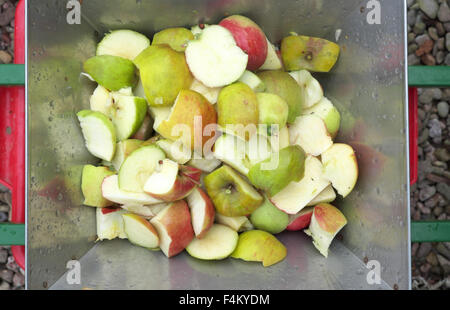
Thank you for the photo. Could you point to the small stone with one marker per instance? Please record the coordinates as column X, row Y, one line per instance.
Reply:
column 3, row 256
column 7, row 15
column 445, row 263
column 19, row 279
column 444, row 13
column 412, row 48
column 424, row 249
column 432, row 31
column 447, row 59
column 419, row 28
column 425, row 268
column 429, row 7
column 447, row 41
column 6, row 197
column 444, row 190
column 411, row 37
column 442, row 249
column 443, row 109
column 414, row 248
column 436, row 93
column 12, row 265
column 435, row 128
column 438, row 211
column 413, row 60
column 410, row 2
column 428, row 60
column 6, row 275
column 440, row 57
column 447, row 27
column 442, row 154
column 4, row 286
column 433, row 201
column 3, row 217
column 426, row 193
column 440, row 29
column 411, row 18
column 5, row 57
column 432, row 259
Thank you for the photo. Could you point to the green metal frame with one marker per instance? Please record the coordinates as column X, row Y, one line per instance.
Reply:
column 419, row 76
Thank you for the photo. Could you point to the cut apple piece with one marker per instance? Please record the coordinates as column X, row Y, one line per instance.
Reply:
column 123, row 43
column 123, row 150
column 159, row 115
column 326, row 222
column 259, row 246
column 258, row 149
column 198, row 29
column 112, row 192
column 252, row 81
column 210, row 93
column 297, row 195
column 310, row 132
column 237, row 223
column 341, row 168
column 325, row 196
column 128, row 115
column 312, row 92
column 171, row 182
column 218, row 243
column 328, row 113
column 232, row 151
column 230, row 193
column 91, row 186
column 300, row 220
column 214, row 57
column 99, row 134
column 177, row 38
column 174, row 228
column 273, row 61
column 204, row 164
column 147, row 212
column 175, row 151
column 110, row 224
column 101, row 101
column 202, row 212
column 146, row 130
column 138, row 167
column 140, row 232
column 269, row 218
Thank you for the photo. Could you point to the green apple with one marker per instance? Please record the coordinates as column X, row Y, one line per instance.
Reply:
column 311, row 133
column 230, row 193
column 123, row 43
column 269, row 218
column 101, row 101
column 128, row 115
column 140, row 232
column 232, row 150
column 273, row 110
column 99, row 134
column 176, row 38
column 138, row 167
column 218, row 243
column 312, row 91
column 259, row 246
column 326, row 222
column 109, row 224
column 164, row 73
column 111, row 72
column 123, row 150
column 275, row 173
column 252, row 81
column 328, row 113
column 282, row 84
column 91, row 186
column 237, row 110
column 313, row 54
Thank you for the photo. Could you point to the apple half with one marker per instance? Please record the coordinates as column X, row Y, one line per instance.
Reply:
column 171, row 181
column 174, row 228
column 326, row 222
column 202, row 212
column 218, row 243
column 341, row 168
column 294, row 197
column 311, row 133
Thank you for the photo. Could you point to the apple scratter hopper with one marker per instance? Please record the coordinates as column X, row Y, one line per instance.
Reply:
column 366, row 86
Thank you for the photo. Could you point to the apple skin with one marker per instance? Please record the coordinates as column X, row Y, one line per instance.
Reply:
column 192, row 173
column 91, row 186
column 174, row 228
column 300, row 220
column 249, row 37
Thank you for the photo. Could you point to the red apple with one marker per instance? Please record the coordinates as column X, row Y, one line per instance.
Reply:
column 172, row 182
column 202, row 212
column 249, row 37
column 174, row 228
column 300, row 220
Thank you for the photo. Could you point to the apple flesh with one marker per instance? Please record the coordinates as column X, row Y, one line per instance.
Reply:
column 164, row 73
column 123, row 150
column 174, row 228
column 328, row 113
column 237, row 110
column 252, row 81
column 301, row 220
column 218, row 243
column 205, row 164
column 214, row 57
column 326, row 222
column 259, row 246
column 230, row 193
column 249, row 37
column 232, row 150
column 172, row 182
column 175, row 151
column 309, row 53
column 210, row 93
column 202, row 212
column 123, row 43
column 146, row 130
column 312, row 92
column 273, row 61
column 237, row 223
column 282, row 84
column 177, row 38
column 294, row 197
column 311, row 133
column 147, row 212
column 91, row 186
column 326, row 196
column 269, row 218
column 101, row 101
column 111, row 72
column 112, row 192
column 110, row 224
column 140, row 232
column 341, row 168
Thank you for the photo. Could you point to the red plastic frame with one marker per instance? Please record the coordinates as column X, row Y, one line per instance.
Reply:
column 12, row 134
column 413, row 135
